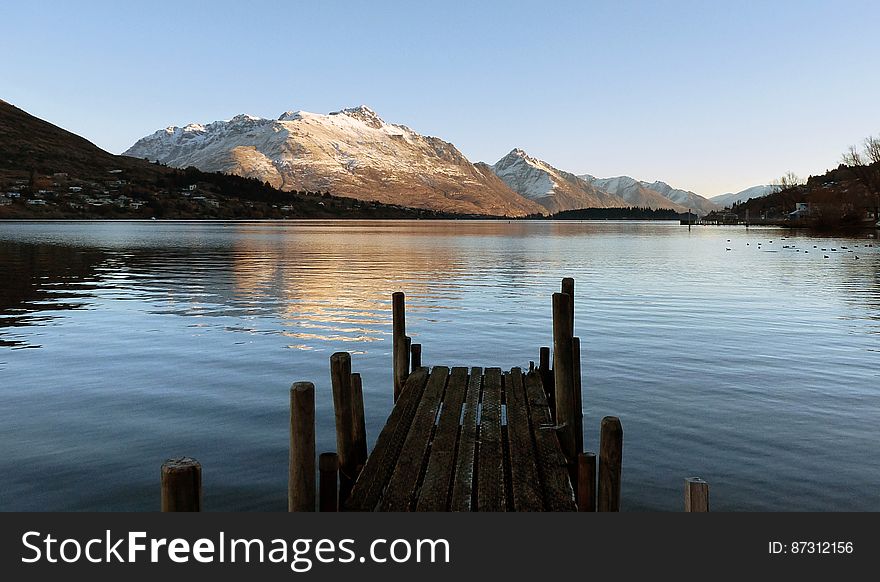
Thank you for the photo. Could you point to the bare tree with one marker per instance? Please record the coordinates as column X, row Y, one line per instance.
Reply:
column 865, row 163
column 787, row 181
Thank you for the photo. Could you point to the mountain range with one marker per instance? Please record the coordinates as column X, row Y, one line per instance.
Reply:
column 731, row 198
column 355, row 153
column 352, row 153
column 49, row 172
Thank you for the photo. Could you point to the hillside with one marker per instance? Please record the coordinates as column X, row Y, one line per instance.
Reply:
column 842, row 197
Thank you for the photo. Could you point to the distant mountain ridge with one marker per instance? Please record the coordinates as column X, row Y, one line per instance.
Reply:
column 554, row 189
column 731, row 198
column 352, row 152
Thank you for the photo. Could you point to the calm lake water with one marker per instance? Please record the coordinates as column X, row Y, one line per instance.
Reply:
column 124, row 343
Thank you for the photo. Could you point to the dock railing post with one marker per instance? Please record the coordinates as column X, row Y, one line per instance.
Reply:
column 586, row 492
column 610, row 460
column 400, row 355
column 340, row 379
column 301, row 469
column 181, row 485
column 563, row 380
column 328, row 467
column 696, row 495
column 358, row 423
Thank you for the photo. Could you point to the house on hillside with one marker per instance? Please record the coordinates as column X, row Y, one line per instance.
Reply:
column 801, row 210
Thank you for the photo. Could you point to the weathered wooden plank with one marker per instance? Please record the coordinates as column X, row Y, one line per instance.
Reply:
column 375, row 474
column 490, row 467
column 526, row 485
column 434, row 493
column 463, row 484
column 552, row 466
column 401, row 489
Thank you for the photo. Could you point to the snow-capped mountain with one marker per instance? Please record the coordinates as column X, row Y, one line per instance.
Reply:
column 634, row 192
column 725, row 200
column 550, row 187
column 686, row 198
column 352, row 152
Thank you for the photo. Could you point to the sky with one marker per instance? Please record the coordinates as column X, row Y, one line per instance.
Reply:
column 708, row 96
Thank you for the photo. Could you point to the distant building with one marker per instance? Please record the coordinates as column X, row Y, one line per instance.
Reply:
column 801, row 210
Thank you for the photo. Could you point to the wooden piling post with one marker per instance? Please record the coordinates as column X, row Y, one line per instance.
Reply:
column 610, row 460
column 301, row 469
column 578, row 395
column 181, row 485
column 544, row 358
column 547, row 379
column 340, row 379
column 563, row 380
column 416, row 359
column 586, row 492
column 400, row 355
column 328, row 466
column 358, row 423
column 568, row 289
column 696, row 495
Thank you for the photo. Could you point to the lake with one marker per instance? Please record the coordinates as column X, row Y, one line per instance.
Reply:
column 754, row 366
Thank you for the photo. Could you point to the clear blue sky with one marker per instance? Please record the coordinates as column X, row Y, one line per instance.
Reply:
column 708, row 96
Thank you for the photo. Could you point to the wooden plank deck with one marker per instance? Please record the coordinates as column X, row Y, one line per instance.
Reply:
column 466, row 440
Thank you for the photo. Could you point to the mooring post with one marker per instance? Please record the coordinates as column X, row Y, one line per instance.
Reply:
column 181, row 485
column 340, row 379
column 400, row 355
column 563, row 380
column 358, row 423
column 301, row 469
column 328, row 466
column 586, row 492
column 568, row 289
column 578, row 395
column 610, row 460
column 547, row 379
column 696, row 495
column 416, row 353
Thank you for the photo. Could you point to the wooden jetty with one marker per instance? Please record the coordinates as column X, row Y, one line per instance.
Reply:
column 467, row 440
column 457, row 438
